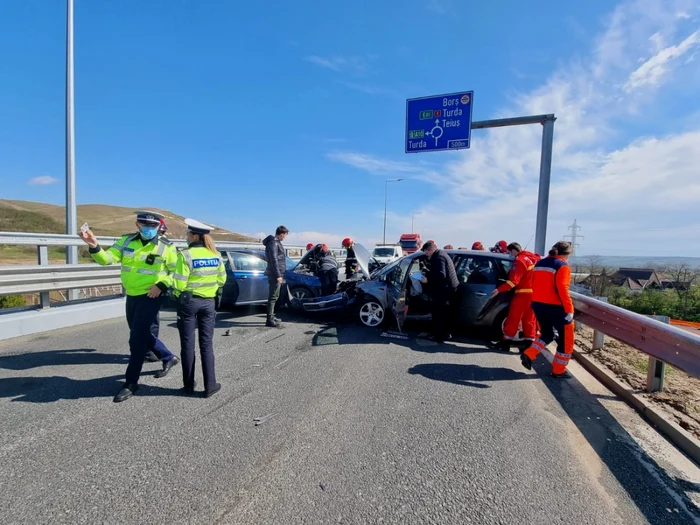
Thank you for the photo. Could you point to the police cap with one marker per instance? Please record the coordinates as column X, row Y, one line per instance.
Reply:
column 148, row 217
column 198, row 227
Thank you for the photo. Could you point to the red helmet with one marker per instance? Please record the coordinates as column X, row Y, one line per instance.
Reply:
column 500, row 247
column 324, row 248
column 347, row 242
column 477, row 246
column 448, row 247
column 309, row 246
column 162, row 228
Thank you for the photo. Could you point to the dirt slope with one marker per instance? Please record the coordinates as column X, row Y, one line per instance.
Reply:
column 104, row 219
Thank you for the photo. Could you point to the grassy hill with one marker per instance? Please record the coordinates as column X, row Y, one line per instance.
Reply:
column 110, row 221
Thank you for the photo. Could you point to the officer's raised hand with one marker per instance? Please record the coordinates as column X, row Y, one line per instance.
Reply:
column 88, row 237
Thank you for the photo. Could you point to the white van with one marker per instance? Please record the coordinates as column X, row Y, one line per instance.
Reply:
column 386, row 253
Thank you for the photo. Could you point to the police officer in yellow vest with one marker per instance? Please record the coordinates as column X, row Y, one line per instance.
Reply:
column 199, row 277
column 147, row 262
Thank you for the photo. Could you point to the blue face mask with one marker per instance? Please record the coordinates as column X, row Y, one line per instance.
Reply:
column 148, row 232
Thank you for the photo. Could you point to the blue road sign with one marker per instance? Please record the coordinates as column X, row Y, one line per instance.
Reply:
column 441, row 122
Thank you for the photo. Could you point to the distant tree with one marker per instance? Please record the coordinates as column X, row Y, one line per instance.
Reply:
column 683, row 279
column 599, row 279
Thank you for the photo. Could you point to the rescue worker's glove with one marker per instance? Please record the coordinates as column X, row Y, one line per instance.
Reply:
column 568, row 318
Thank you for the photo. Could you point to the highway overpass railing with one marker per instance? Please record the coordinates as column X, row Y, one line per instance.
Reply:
column 663, row 343
column 44, row 277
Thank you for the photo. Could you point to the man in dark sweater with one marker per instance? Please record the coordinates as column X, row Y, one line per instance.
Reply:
column 327, row 271
column 442, row 285
column 276, row 266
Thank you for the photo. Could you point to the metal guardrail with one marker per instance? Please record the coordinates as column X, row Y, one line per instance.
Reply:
column 674, row 346
column 45, row 277
column 37, row 279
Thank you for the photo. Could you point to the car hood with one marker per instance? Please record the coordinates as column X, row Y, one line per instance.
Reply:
column 363, row 257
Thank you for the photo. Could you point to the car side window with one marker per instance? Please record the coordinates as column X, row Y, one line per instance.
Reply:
column 475, row 269
column 397, row 277
column 242, row 262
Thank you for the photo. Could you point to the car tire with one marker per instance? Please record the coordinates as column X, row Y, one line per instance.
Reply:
column 498, row 328
column 371, row 313
column 301, row 292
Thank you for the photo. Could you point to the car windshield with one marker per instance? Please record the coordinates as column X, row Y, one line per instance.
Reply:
column 290, row 264
column 388, row 268
column 383, row 252
column 409, row 244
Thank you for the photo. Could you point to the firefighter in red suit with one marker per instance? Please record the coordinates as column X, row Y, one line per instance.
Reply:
column 520, row 279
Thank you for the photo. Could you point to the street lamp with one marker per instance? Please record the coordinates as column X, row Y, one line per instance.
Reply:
column 413, row 217
column 386, row 186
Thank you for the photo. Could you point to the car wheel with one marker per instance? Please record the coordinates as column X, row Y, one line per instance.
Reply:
column 372, row 313
column 500, row 324
column 301, row 292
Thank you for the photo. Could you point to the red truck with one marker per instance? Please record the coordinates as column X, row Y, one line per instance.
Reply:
column 410, row 243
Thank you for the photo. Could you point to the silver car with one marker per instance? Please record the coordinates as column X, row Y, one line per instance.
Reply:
column 395, row 291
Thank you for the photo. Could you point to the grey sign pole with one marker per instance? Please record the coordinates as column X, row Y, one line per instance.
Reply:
column 543, row 194
column 71, row 206
column 547, row 122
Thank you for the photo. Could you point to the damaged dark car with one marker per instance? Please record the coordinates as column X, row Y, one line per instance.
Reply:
column 395, row 293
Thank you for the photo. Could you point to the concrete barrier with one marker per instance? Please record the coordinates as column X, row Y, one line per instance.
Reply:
column 36, row 321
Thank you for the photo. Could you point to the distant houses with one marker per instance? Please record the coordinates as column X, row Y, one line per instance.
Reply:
column 635, row 280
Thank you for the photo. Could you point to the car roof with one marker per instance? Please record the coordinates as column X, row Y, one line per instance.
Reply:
column 480, row 253
column 259, row 253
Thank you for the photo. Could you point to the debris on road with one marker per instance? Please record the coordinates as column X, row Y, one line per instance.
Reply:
column 260, row 420
column 227, row 332
column 394, row 335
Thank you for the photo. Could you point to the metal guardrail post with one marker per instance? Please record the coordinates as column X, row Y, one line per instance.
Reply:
column 42, row 253
column 599, row 337
column 656, row 370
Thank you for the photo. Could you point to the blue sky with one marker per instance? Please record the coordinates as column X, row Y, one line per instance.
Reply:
column 248, row 116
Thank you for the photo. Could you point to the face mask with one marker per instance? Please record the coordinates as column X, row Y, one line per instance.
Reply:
column 148, row 232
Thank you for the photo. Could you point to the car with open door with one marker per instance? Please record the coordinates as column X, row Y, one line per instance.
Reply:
column 395, row 292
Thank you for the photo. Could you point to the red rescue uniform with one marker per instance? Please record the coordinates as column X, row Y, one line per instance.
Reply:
column 520, row 278
column 551, row 302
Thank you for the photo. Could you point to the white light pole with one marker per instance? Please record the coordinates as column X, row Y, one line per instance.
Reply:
column 386, row 186
column 413, row 217
column 71, row 206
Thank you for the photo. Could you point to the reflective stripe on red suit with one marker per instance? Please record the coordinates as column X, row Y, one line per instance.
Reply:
column 520, row 311
column 551, row 302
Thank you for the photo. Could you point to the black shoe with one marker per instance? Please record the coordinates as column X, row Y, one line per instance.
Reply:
column 565, row 375
column 151, row 357
column 166, row 367
column 503, row 345
column 526, row 361
column 272, row 323
column 213, row 390
column 126, row 392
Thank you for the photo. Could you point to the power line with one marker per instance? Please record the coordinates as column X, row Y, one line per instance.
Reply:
column 574, row 235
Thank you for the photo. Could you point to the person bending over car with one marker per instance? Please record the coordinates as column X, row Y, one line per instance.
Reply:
column 327, row 271
column 442, row 286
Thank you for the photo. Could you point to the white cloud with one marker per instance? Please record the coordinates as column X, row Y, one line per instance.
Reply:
column 604, row 172
column 338, row 63
column 652, row 72
column 43, row 181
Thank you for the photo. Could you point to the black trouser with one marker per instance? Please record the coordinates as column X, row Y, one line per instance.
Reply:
column 273, row 296
column 198, row 314
column 329, row 281
column 142, row 318
column 440, row 312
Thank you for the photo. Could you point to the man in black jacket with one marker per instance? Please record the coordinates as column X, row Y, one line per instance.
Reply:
column 276, row 266
column 442, row 286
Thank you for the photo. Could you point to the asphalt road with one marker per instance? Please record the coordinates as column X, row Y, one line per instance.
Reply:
column 356, row 429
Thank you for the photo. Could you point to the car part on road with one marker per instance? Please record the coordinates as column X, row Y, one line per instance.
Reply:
column 260, row 420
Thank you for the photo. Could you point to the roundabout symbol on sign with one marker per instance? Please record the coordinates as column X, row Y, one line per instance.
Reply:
column 436, row 132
